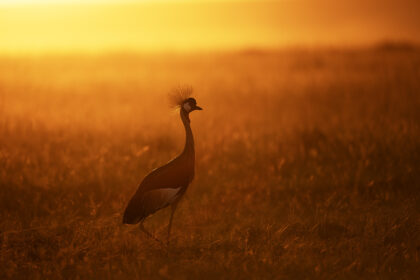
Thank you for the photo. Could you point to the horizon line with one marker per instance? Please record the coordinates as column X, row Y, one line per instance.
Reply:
column 392, row 45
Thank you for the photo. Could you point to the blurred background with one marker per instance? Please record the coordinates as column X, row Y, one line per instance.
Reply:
column 307, row 150
column 33, row 26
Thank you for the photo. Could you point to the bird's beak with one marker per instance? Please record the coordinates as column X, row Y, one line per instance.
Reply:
column 198, row 108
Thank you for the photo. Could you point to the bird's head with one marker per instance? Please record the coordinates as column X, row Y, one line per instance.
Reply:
column 180, row 97
column 189, row 105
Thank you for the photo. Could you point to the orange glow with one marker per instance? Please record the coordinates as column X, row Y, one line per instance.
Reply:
column 306, row 158
column 74, row 25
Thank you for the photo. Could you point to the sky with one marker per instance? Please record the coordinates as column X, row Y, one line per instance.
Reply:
column 28, row 26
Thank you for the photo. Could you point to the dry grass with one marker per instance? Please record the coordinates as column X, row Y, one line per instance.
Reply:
column 308, row 165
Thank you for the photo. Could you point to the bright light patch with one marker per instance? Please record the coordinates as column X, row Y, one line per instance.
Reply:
column 20, row 2
column 42, row 2
column 39, row 26
column 31, row 2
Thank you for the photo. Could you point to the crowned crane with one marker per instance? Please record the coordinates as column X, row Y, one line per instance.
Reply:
column 166, row 185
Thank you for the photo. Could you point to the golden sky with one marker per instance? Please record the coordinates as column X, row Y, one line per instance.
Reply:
column 147, row 25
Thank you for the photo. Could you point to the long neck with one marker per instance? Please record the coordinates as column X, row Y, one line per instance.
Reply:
column 189, row 140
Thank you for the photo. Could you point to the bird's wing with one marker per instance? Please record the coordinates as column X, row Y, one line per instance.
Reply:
column 174, row 174
column 159, row 189
column 157, row 199
column 144, row 204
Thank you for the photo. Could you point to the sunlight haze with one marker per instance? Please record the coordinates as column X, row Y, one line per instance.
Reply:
column 29, row 26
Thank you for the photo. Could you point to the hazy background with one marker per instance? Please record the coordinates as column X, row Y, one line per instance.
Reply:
column 67, row 26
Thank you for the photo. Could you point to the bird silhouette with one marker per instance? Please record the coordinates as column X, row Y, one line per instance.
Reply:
column 167, row 184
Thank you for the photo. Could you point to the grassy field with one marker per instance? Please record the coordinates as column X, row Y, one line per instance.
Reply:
column 307, row 165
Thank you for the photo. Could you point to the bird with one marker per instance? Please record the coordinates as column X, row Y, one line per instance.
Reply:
column 166, row 185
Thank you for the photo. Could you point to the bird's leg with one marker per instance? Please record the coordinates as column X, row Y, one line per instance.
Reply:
column 148, row 233
column 173, row 208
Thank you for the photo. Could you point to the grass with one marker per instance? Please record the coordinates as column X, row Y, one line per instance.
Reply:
column 307, row 165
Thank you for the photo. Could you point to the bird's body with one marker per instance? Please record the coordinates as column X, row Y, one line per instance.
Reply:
column 161, row 187
column 165, row 185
